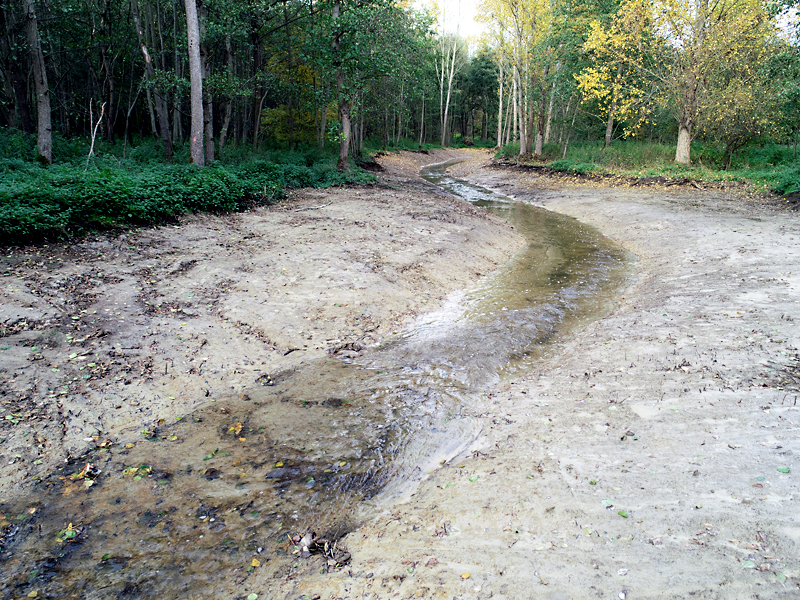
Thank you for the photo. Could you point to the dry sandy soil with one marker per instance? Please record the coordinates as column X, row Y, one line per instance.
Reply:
column 651, row 455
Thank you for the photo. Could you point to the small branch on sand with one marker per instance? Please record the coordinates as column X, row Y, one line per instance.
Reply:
column 313, row 207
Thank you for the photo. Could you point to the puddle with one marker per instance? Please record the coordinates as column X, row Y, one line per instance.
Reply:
column 184, row 512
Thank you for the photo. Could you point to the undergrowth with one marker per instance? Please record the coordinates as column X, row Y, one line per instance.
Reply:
column 773, row 166
column 39, row 203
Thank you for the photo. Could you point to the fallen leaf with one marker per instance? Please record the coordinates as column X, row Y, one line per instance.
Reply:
column 465, row 576
column 255, row 563
column 622, row 513
column 783, row 469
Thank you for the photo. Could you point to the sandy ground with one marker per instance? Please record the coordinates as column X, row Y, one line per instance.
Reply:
column 654, row 455
column 104, row 338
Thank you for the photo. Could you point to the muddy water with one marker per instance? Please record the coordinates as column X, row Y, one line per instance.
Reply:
column 185, row 511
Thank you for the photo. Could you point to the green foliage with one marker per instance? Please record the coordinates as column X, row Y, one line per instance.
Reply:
column 570, row 166
column 771, row 165
column 39, row 202
column 787, row 181
column 509, row 150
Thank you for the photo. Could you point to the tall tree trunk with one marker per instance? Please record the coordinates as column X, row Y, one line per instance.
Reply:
column 177, row 129
column 44, row 131
column 361, row 133
column 399, row 117
column 385, row 126
column 111, row 105
column 344, row 103
column 226, row 123
column 565, row 145
column 500, row 110
column 421, row 122
column 683, row 150
column 323, row 123
column 208, row 100
column 523, row 133
column 450, row 75
column 515, row 132
column 153, row 125
column 540, row 123
column 550, row 107
column 161, row 110
column 612, row 110
column 196, row 79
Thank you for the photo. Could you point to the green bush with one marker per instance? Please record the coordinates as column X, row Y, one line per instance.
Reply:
column 39, row 202
column 787, row 181
column 570, row 166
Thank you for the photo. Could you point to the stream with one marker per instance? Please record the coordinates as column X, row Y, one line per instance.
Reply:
column 200, row 504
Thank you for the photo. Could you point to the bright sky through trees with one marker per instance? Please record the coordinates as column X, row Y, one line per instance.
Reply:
column 460, row 14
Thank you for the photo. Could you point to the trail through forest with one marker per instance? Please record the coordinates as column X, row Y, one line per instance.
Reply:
column 651, row 454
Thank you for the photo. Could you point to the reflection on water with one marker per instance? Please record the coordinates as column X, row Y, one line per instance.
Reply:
column 184, row 512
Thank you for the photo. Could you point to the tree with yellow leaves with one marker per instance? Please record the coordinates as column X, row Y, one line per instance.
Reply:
column 620, row 92
column 690, row 50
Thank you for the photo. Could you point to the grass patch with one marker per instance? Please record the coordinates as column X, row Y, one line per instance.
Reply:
column 771, row 166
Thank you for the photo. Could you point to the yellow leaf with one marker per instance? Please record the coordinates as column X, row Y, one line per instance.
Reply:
column 465, row 576
column 279, row 464
column 255, row 563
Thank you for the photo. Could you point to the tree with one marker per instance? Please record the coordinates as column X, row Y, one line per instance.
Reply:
column 450, row 60
column 618, row 90
column 44, row 130
column 150, row 75
column 197, row 129
column 688, row 49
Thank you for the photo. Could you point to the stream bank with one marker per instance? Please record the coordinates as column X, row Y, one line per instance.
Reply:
column 654, row 455
column 146, row 420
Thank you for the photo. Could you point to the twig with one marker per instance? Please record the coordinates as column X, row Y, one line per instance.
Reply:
column 313, row 207
column 94, row 131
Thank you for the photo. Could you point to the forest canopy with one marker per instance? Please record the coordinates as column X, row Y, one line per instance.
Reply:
column 114, row 85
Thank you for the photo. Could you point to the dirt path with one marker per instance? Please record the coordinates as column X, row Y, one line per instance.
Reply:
column 654, row 455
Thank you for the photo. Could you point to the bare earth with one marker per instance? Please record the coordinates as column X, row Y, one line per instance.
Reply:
column 103, row 338
column 653, row 455
column 642, row 460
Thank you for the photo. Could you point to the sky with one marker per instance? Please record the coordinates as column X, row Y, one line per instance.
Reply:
column 461, row 14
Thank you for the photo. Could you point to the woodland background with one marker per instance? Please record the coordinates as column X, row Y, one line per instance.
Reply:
column 131, row 111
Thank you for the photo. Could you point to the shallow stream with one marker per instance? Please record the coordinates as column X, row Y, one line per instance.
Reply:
column 185, row 512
